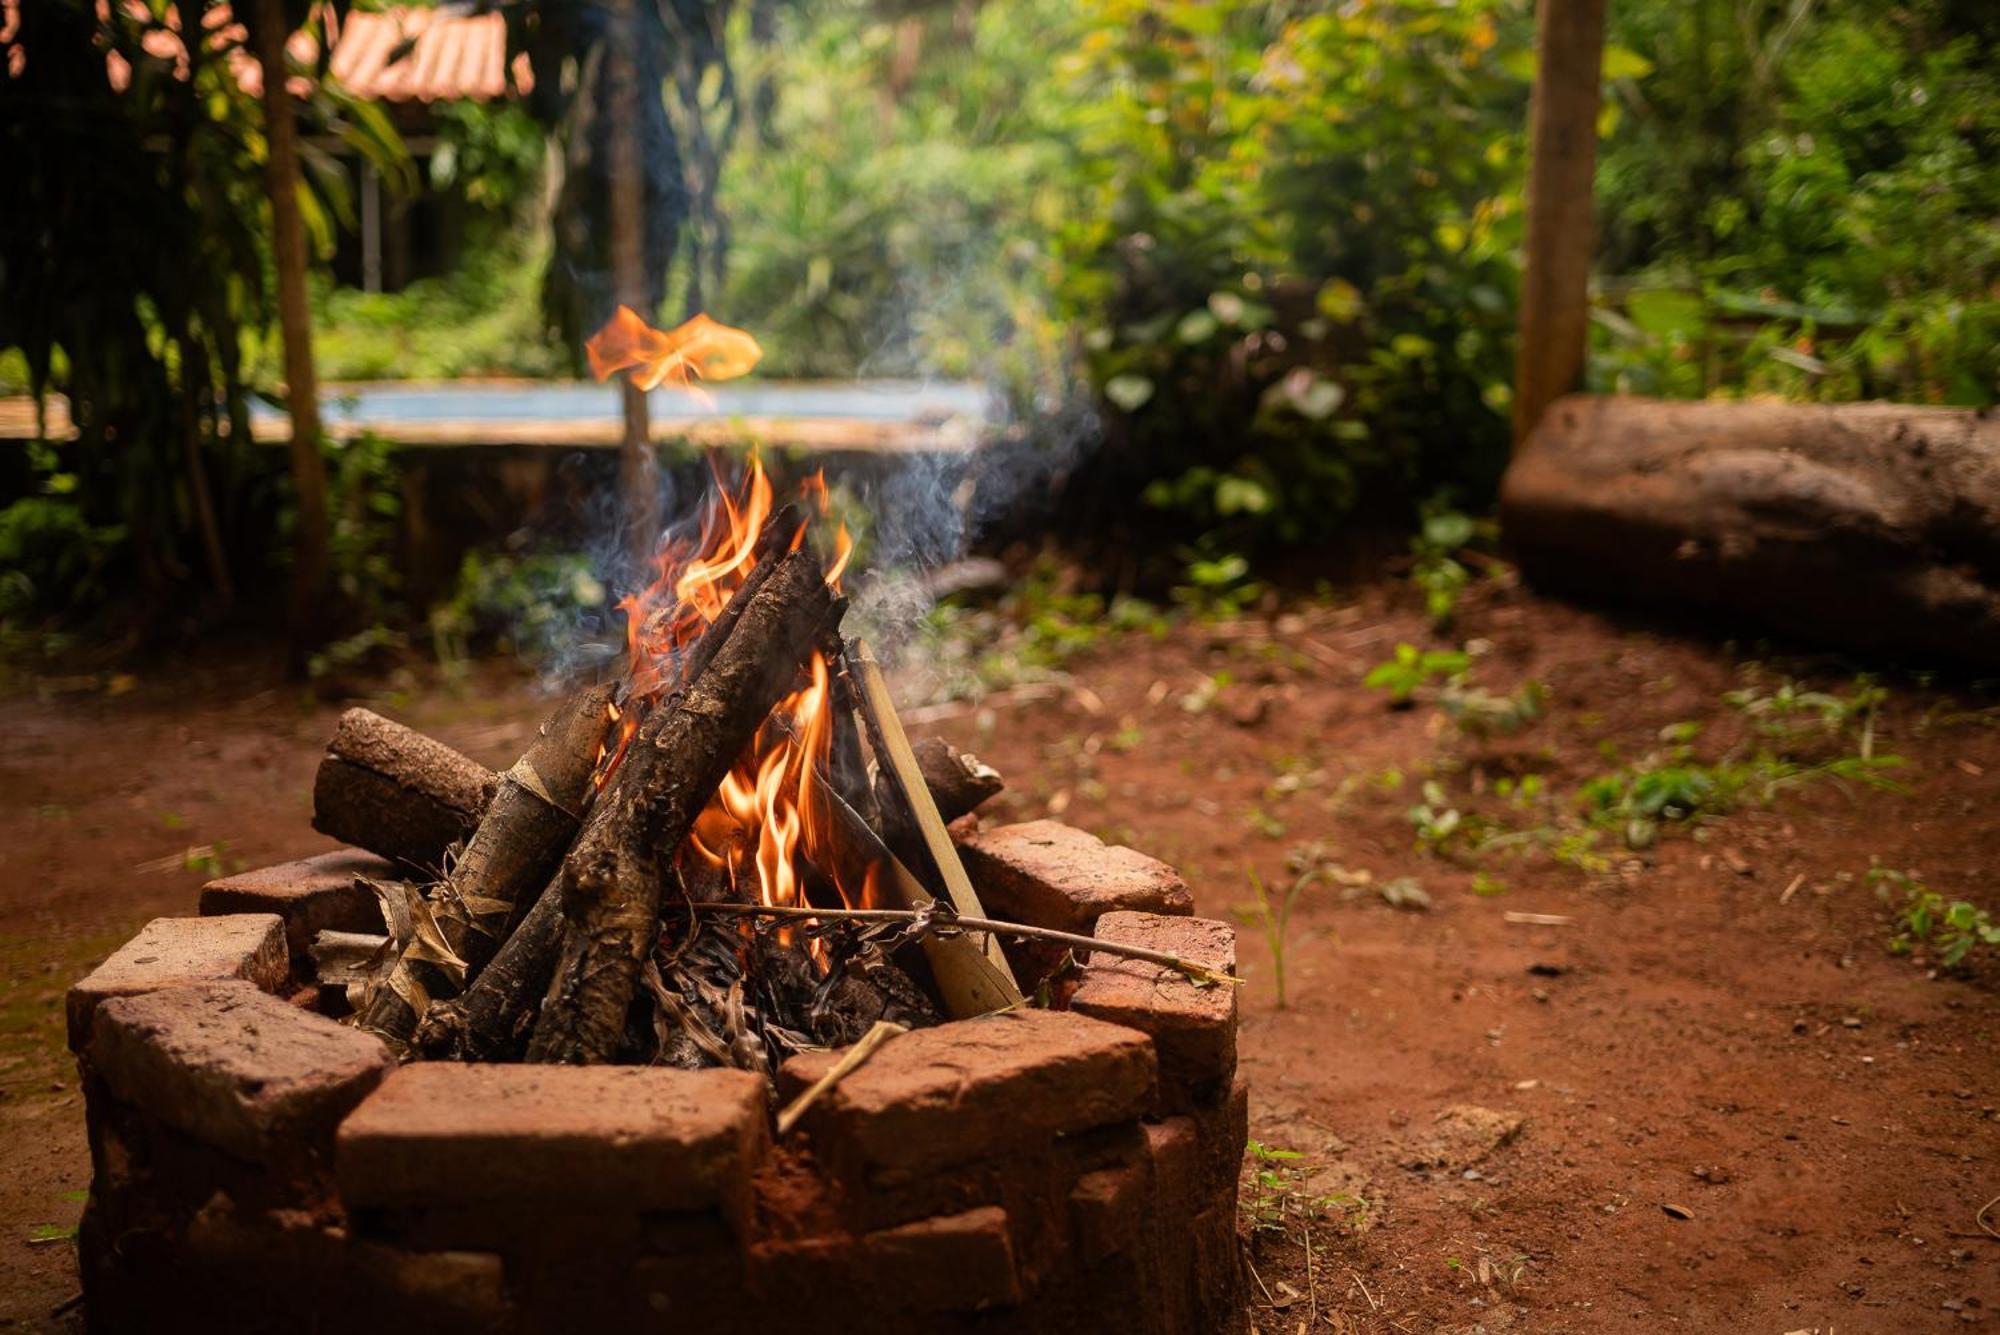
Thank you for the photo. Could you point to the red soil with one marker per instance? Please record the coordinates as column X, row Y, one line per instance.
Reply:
column 1716, row 1028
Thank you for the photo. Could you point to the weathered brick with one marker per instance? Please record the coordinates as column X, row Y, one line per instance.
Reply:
column 235, row 1067
column 312, row 895
column 1193, row 1027
column 1222, row 1130
column 172, row 951
column 959, row 1263
column 976, row 1088
column 610, row 1137
column 1107, row 1208
column 1052, row 875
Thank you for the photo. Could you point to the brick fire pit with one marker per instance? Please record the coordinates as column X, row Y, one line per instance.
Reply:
column 260, row 1166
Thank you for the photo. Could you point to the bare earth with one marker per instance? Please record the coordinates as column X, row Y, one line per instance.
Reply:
column 1709, row 1099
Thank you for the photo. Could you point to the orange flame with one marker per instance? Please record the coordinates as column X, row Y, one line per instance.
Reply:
column 701, row 349
column 768, row 818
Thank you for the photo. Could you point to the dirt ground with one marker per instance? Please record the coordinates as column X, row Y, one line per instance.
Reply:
column 1695, row 1091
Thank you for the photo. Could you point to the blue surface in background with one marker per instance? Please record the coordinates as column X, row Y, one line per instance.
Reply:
column 473, row 401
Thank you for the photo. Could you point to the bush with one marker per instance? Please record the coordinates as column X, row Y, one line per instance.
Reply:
column 1294, row 264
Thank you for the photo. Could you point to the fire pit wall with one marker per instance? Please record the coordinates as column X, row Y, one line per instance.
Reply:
column 260, row 1167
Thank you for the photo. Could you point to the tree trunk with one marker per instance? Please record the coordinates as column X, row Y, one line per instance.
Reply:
column 517, row 848
column 311, row 568
column 612, row 879
column 1868, row 526
column 1562, row 164
column 395, row 792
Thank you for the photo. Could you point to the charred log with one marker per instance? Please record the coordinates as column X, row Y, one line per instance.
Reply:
column 397, row 793
column 611, row 881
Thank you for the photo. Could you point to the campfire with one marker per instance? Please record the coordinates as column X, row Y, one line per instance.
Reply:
column 724, row 976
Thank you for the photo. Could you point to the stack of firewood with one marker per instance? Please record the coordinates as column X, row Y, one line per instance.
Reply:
column 548, row 917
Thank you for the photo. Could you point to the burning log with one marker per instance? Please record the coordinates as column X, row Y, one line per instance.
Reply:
column 612, row 878
column 518, row 846
column 487, row 1021
column 396, row 792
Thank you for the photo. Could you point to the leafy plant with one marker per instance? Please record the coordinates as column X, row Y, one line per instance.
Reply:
column 1403, row 675
column 1441, row 538
column 1478, row 714
column 1273, row 916
column 1955, row 928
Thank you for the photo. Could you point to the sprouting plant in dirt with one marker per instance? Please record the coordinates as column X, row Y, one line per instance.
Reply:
column 1277, row 1198
column 1954, row 928
column 1271, row 912
column 1435, row 552
column 1403, row 675
column 1793, row 718
column 1218, row 585
column 1477, row 713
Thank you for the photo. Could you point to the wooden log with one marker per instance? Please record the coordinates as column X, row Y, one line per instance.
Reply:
column 518, row 846
column 489, row 1020
column 397, row 793
column 612, row 878
column 1867, row 526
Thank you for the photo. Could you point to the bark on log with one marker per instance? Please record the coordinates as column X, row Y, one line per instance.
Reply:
column 489, row 1020
column 612, row 878
column 518, row 846
column 397, row 793
column 1868, row 526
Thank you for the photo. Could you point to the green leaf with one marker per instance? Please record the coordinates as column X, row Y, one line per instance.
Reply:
column 1620, row 63
column 1129, row 392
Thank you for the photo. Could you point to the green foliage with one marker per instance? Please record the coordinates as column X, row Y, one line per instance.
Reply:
column 51, row 554
column 1804, row 195
column 1403, row 675
column 1293, row 258
column 887, row 217
column 1272, row 914
column 526, row 604
column 1953, row 928
column 1477, row 713
column 1434, row 552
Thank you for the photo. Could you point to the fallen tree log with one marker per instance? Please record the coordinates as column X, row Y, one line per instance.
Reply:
column 488, row 1021
column 612, row 878
column 518, row 846
column 1867, row 526
column 397, row 793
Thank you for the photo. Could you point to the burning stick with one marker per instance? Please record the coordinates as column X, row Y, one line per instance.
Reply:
column 612, row 879
column 518, row 846
column 892, row 749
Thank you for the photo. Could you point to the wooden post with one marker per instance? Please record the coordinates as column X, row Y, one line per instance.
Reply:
column 628, row 279
column 1562, row 161
column 312, row 569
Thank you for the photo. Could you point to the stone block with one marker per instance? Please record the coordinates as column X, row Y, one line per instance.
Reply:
column 312, row 895
column 974, row 1089
column 172, row 951
column 958, row 1263
column 235, row 1068
column 1052, row 875
column 612, row 1138
column 1193, row 1026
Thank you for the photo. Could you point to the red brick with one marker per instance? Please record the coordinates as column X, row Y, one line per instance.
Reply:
column 312, row 895
column 1108, row 1208
column 960, row 1263
column 977, row 1088
column 1173, row 1148
column 616, row 1138
column 1222, row 1131
column 235, row 1068
column 1052, row 875
column 1193, row 1026
column 169, row 952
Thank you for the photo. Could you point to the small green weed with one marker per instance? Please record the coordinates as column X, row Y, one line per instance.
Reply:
column 1954, row 928
column 1477, row 713
column 1403, row 675
column 1273, row 916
